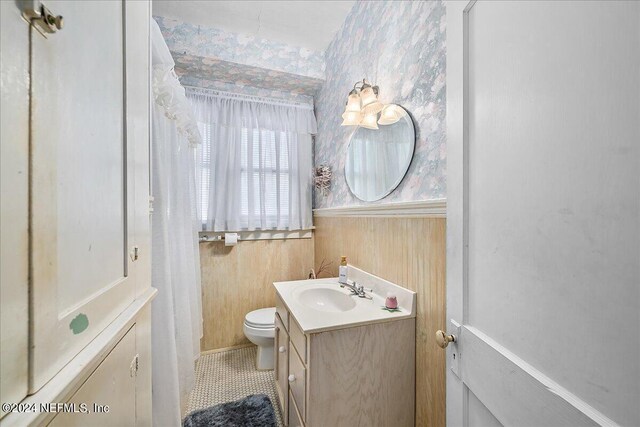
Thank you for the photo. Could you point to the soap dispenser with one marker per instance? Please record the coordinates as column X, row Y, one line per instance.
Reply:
column 342, row 270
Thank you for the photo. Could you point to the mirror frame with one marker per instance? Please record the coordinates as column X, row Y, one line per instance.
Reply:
column 402, row 177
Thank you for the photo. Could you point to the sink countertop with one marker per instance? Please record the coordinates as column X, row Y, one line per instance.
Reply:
column 364, row 311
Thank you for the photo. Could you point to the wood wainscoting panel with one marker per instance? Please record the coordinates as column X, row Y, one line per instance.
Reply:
column 411, row 253
column 239, row 279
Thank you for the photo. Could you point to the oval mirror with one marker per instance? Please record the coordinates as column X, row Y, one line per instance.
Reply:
column 378, row 159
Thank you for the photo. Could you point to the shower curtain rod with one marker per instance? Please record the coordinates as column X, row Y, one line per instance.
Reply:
column 262, row 99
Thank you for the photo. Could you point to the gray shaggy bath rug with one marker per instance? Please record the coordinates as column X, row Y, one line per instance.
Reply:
column 252, row 411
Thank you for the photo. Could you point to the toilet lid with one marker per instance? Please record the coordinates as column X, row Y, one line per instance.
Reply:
column 263, row 318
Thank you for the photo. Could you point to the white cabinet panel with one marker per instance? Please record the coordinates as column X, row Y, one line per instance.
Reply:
column 89, row 170
column 82, row 183
column 14, row 217
column 138, row 65
column 108, row 392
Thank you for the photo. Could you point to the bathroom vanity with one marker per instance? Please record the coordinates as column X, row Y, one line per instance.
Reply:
column 342, row 360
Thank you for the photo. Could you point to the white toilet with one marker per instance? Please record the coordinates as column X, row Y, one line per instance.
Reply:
column 259, row 327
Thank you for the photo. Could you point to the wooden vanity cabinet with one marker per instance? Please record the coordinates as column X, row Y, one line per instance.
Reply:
column 295, row 420
column 360, row 375
column 281, row 358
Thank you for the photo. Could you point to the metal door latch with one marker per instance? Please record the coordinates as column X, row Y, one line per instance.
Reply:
column 134, row 366
column 41, row 17
column 134, row 253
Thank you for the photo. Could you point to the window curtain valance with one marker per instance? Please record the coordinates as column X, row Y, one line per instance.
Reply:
column 239, row 111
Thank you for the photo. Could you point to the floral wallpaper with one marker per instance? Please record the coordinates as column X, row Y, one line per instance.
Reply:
column 399, row 46
column 244, row 75
column 188, row 80
column 241, row 59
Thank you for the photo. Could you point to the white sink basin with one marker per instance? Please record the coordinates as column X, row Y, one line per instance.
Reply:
column 321, row 305
column 329, row 300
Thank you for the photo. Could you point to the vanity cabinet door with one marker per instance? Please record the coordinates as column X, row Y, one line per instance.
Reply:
column 297, row 380
column 294, row 416
column 282, row 367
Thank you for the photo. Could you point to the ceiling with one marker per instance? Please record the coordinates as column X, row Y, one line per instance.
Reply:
column 309, row 24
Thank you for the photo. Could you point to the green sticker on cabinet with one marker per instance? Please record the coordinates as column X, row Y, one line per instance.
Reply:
column 79, row 323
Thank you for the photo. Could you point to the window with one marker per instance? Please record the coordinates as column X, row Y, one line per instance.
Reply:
column 203, row 174
column 264, row 176
column 254, row 167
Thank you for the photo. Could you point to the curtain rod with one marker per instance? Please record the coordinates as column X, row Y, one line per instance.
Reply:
column 263, row 99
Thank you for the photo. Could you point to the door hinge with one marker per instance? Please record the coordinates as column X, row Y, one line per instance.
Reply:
column 45, row 21
column 133, row 368
column 151, row 199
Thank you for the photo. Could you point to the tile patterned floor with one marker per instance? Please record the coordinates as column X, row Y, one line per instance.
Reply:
column 228, row 376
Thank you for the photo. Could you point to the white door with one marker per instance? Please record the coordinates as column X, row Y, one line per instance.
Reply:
column 543, row 218
column 82, row 184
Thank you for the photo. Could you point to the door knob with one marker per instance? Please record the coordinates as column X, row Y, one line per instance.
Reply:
column 443, row 339
column 292, row 378
column 281, row 349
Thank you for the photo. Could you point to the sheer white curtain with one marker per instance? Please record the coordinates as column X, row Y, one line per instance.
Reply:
column 255, row 166
column 177, row 310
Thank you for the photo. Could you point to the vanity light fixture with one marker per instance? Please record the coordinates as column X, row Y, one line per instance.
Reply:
column 363, row 107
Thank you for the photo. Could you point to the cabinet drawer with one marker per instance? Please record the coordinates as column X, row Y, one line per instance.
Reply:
column 281, row 309
column 298, row 339
column 297, row 382
column 281, row 358
column 295, row 420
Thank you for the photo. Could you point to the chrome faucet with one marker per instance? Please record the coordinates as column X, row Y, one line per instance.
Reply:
column 357, row 290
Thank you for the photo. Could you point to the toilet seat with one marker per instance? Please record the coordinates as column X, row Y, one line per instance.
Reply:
column 263, row 318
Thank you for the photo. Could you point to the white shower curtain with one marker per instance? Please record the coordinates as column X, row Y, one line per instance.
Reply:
column 177, row 310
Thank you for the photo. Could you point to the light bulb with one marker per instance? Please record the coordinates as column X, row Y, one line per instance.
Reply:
column 373, row 108
column 391, row 114
column 370, row 121
column 367, row 96
column 351, row 118
column 353, row 102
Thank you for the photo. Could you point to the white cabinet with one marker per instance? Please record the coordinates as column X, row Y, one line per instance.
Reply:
column 104, row 394
column 14, row 204
column 82, row 184
column 77, row 194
